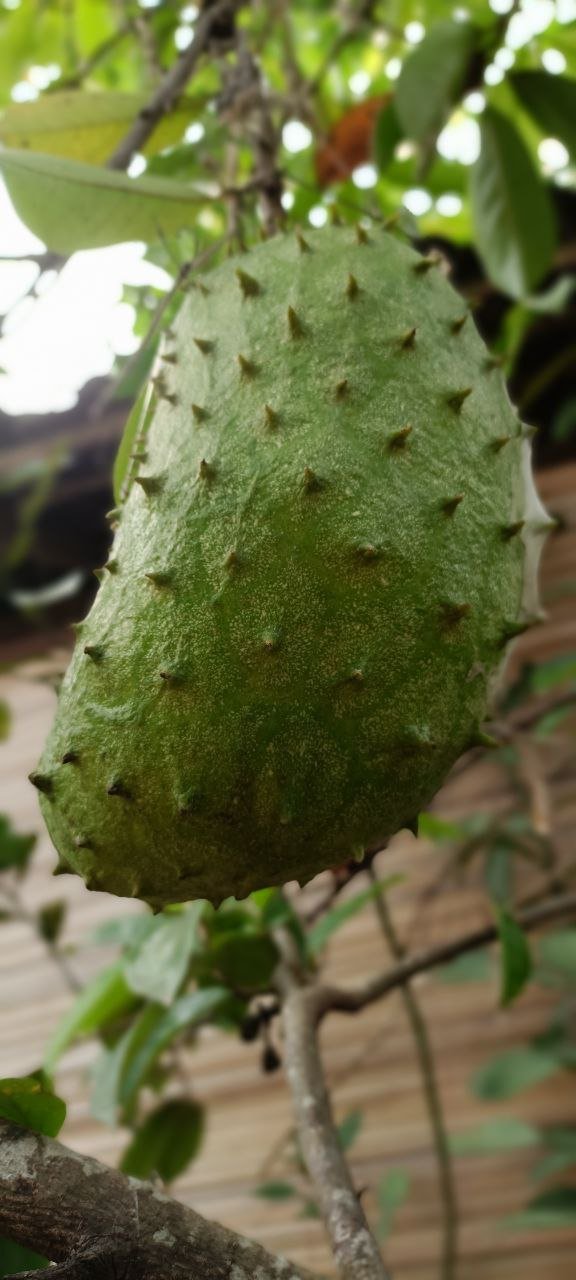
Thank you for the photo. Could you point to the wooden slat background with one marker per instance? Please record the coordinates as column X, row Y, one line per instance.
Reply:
column 369, row 1058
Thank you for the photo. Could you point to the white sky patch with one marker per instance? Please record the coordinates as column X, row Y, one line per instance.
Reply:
column 493, row 74
column 296, row 136
column 460, row 140
column 71, row 333
column 501, row 6
column 195, row 132
column 530, row 21
column 553, row 154
column 449, row 205
column 41, row 77
column 393, row 68
column 287, row 199
column 553, row 61
column 137, row 165
column 359, row 83
column 404, row 150
column 365, row 176
column 22, row 91
column 183, row 36
column 189, row 13
column 318, row 216
column 417, row 201
column 414, row 32
column 504, row 58
column 475, row 102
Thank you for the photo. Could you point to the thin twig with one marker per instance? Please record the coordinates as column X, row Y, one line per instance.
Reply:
column 355, row 1248
column 425, row 1055
column 353, row 999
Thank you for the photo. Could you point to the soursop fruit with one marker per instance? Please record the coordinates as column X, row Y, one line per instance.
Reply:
column 328, row 535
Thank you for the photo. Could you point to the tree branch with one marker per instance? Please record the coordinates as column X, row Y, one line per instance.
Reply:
column 208, row 28
column 99, row 1223
column 432, row 1095
column 355, row 1248
column 353, row 999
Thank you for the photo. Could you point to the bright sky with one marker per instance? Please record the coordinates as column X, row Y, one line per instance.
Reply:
column 54, row 344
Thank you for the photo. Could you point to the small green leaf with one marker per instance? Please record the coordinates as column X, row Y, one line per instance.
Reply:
column 432, row 77
column 431, row 827
column 387, row 135
column 110, row 1096
column 275, row 1191
column 320, row 932
column 15, row 850
column 73, row 206
column 15, row 1258
column 160, row 966
column 186, row 1014
column 25, row 1102
column 245, row 960
column 101, row 1001
column 511, row 208
column 137, row 424
column 551, row 101
column 391, row 1194
column 516, row 959
column 509, row 1072
column 349, row 1128
column 86, row 126
column 555, row 1208
column 474, row 967
column 51, row 918
column 557, row 956
column 167, row 1140
column 5, row 719
column 495, row 1137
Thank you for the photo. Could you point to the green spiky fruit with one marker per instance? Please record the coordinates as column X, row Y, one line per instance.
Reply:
column 327, row 536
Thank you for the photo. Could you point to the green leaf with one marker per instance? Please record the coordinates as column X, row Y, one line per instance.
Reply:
column 337, row 916
column 511, row 209
column 127, row 932
column 14, row 850
column 167, row 1140
column 186, row 1014
column 86, row 126
column 387, row 135
column 24, row 1101
column 73, row 206
column 138, row 422
column 495, row 1137
column 509, row 1072
column 51, row 918
column 431, row 827
column 245, row 960
column 475, row 967
column 15, row 1258
column 561, row 1144
column 110, row 1096
column 160, row 966
column 555, row 1208
column 557, row 954
column 349, row 1128
column 551, row 101
column 432, row 78
column 391, row 1194
column 275, row 1191
column 102, row 1000
column 4, row 720
column 515, row 957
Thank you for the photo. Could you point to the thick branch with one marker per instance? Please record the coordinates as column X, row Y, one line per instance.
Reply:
column 71, row 1208
column 354, row 1247
column 207, row 28
column 353, row 999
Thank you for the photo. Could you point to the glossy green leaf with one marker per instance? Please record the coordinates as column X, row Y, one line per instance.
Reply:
column 432, row 78
column 186, row 1014
column 73, row 206
column 333, row 919
column 137, row 424
column 24, row 1101
column 15, row 850
column 275, row 1190
column 510, row 1072
column 102, row 1000
column 511, row 209
column 15, row 1258
column 160, row 966
column 85, row 125
column 166, row 1141
column 495, row 1137
column 551, row 101
column 515, row 958
column 391, row 1194
column 387, row 135
column 554, row 1208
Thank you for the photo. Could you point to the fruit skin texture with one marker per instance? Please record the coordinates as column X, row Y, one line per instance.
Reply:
column 328, row 535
